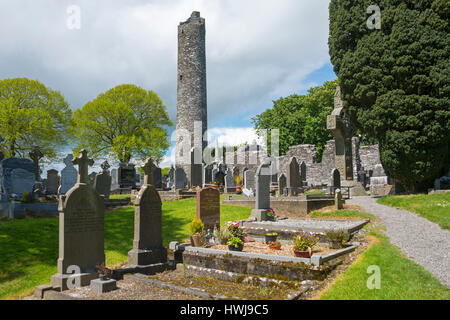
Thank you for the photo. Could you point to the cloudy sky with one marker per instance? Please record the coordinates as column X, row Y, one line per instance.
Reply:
column 257, row 51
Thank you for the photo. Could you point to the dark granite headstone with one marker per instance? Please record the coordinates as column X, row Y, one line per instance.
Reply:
column 127, row 176
column 180, row 179
column 336, row 179
column 282, row 184
column 102, row 182
column 52, row 181
column 208, row 207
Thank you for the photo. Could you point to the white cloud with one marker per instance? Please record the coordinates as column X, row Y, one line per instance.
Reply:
column 257, row 50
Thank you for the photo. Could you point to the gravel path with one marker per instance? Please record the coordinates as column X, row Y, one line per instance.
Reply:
column 421, row 240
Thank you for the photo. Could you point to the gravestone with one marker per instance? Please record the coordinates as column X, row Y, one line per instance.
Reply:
column 68, row 175
column 303, row 174
column 262, row 201
column 208, row 208
column 196, row 168
column 102, row 182
column 282, row 184
column 36, row 155
column 180, row 179
column 16, row 175
column 249, row 179
column 293, row 177
column 230, row 184
column 147, row 244
column 52, row 182
column 338, row 202
column 21, row 181
column 335, row 179
column 171, row 174
column 208, row 174
column 126, row 175
column 157, row 178
column 378, row 171
column 81, row 231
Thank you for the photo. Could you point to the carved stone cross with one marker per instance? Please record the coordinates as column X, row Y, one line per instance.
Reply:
column 83, row 163
column 148, row 168
column 36, row 155
column 105, row 166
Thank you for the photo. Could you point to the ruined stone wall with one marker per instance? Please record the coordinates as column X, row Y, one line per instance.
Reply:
column 370, row 156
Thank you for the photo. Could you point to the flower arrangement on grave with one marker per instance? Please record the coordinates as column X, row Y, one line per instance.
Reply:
column 222, row 234
column 304, row 243
column 271, row 237
column 103, row 272
column 26, row 197
column 235, row 244
column 275, row 245
column 196, row 227
column 271, row 214
column 235, row 230
column 337, row 238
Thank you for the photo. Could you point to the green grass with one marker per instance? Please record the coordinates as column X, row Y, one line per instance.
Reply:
column 434, row 207
column 29, row 247
column 119, row 196
column 401, row 279
column 342, row 214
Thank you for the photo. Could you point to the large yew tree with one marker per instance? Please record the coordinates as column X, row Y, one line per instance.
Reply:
column 123, row 123
column 395, row 82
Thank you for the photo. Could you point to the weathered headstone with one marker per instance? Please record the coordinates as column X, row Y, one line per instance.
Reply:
column 102, row 182
column 303, row 174
column 335, row 179
column 22, row 180
column 378, row 171
column 208, row 174
column 36, row 155
column 127, row 176
column 157, row 178
column 147, row 245
column 293, row 177
column 180, row 179
column 68, row 175
column 92, row 176
column 262, row 201
column 282, row 184
column 249, row 179
column 196, row 168
column 52, row 181
column 338, row 202
column 171, row 175
column 208, row 207
column 81, row 231
column 17, row 175
column 230, row 184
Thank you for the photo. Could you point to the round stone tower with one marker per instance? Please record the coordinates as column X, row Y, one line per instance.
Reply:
column 191, row 102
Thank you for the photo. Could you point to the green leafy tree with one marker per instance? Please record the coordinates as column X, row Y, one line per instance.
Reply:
column 32, row 114
column 395, row 82
column 125, row 122
column 301, row 119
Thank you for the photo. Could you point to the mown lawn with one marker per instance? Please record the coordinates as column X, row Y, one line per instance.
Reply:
column 29, row 247
column 342, row 214
column 401, row 279
column 434, row 207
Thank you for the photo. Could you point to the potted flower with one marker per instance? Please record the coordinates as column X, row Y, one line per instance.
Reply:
column 235, row 230
column 271, row 237
column 196, row 227
column 235, row 244
column 271, row 215
column 337, row 238
column 103, row 272
column 275, row 245
column 304, row 243
column 223, row 235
